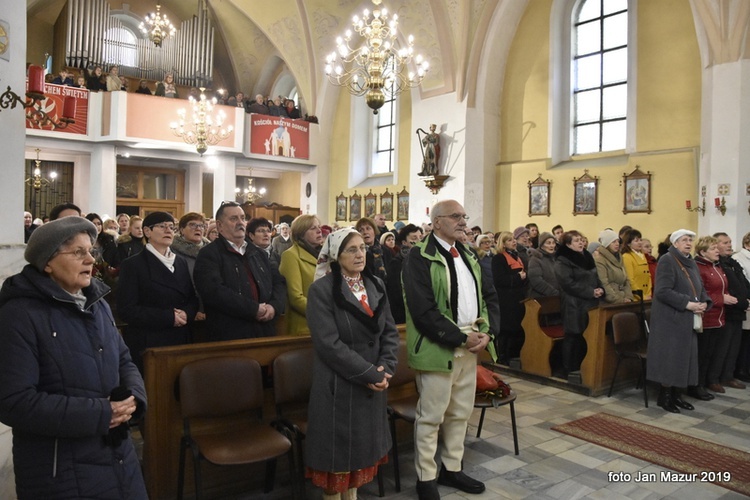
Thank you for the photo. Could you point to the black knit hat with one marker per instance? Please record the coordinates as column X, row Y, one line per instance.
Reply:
column 157, row 218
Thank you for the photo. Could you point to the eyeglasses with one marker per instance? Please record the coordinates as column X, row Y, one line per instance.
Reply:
column 456, row 217
column 195, row 225
column 78, row 253
column 355, row 250
column 164, row 226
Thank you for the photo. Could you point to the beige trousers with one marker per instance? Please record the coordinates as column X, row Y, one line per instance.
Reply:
column 446, row 401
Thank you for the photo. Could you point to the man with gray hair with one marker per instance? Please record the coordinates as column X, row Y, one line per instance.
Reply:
column 448, row 311
column 258, row 106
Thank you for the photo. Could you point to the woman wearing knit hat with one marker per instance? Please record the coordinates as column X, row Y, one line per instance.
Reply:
column 611, row 270
column 67, row 384
column 676, row 312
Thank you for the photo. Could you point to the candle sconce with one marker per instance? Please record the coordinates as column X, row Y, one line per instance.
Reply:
column 721, row 205
column 33, row 104
column 701, row 208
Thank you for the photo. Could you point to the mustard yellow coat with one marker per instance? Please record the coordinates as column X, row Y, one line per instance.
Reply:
column 298, row 267
column 639, row 275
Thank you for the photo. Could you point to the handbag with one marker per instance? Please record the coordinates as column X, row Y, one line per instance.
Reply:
column 697, row 318
column 698, row 322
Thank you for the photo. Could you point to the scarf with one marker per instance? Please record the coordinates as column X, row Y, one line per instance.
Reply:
column 167, row 260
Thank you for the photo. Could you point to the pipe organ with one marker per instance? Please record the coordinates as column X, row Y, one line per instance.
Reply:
column 94, row 37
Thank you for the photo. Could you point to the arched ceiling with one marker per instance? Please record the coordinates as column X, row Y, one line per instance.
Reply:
column 252, row 34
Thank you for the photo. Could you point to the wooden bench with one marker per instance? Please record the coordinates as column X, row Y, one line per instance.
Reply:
column 542, row 326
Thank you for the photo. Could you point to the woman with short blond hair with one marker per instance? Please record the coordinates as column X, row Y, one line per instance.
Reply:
column 298, row 267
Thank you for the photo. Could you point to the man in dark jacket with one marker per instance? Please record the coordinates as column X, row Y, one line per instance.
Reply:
column 735, row 314
column 241, row 291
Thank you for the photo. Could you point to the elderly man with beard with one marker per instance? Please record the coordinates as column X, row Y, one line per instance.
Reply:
column 242, row 292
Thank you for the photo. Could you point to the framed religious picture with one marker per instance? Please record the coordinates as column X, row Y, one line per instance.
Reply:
column 386, row 205
column 539, row 196
column 355, row 207
column 371, row 201
column 585, row 194
column 637, row 192
column 403, row 205
column 341, row 207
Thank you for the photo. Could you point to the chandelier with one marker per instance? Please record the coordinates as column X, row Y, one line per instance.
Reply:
column 157, row 27
column 250, row 193
column 377, row 67
column 36, row 180
column 204, row 130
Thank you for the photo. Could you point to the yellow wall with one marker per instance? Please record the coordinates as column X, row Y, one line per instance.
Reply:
column 339, row 158
column 667, row 135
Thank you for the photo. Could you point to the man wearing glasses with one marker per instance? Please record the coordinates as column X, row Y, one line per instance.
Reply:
column 447, row 324
column 241, row 291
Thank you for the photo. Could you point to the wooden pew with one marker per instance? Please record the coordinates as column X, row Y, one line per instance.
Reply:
column 541, row 334
column 163, row 422
column 598, row 366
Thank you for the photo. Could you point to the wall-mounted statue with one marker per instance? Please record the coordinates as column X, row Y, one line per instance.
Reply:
column 430, row 151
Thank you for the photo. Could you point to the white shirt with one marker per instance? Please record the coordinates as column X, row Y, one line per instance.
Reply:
column 240, row 250
column 467, row 289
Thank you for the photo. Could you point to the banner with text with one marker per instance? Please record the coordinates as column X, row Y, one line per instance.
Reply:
column 54, row 105
column 278, row 136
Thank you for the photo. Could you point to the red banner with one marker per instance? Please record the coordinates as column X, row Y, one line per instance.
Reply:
column 277, row 136
column 56, row 97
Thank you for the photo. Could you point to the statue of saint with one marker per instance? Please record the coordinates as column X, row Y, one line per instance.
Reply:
column 430, row 152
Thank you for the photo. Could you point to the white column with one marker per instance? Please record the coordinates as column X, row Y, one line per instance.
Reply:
column 194, row 188
column 725, row 150
column 225, row 178
column 102, row 181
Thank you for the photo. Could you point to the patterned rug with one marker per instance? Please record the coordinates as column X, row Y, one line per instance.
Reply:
column 695, row 460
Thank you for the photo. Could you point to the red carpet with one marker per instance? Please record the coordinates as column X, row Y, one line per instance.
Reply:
column 709, row 462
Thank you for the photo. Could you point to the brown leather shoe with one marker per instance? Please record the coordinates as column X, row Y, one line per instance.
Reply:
column 735, row 384
column 716, row 388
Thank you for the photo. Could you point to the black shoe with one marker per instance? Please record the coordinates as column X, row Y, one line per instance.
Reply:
column 665, row 400
column 679, row 402
column 427, row 490
column 460, row 481
column 699, row 392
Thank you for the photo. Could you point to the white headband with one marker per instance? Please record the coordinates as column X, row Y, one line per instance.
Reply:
column 330, row 250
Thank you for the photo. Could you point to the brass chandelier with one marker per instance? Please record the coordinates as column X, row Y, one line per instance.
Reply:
column 378, row 67
column 204, row 130
column 157, row 27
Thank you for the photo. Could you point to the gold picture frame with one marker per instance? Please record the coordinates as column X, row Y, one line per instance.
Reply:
column 386, row 205
column 355, row 207
column 586, row 194
column 371, row 202
column 636, row 192
column 539, row 191
column 341, row 207
column 403, row 205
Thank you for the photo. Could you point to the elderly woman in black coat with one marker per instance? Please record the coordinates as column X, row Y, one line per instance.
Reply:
column 67, row 384
column 580, row 290
column 356, row 344
column 156, row 296
column 679, row 301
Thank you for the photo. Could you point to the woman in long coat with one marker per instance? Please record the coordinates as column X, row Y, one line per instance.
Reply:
column 356, row 344
column 67, row 384
column 611, row 270
column 542, row 279
column 673, row 343
column 156, row 296
column 580, row 290
column 511, row 284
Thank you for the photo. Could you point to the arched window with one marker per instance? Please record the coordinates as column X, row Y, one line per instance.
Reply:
column 384, row 149
column 593, row 75
column 600, row 76
column 120, row 47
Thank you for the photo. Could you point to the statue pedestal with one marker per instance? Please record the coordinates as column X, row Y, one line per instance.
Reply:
column 435, row 182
